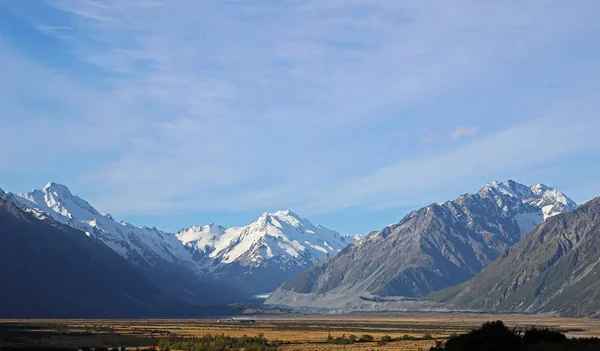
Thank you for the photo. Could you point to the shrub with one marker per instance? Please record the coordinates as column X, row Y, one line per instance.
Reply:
column 386, row 338
column 491, row 336
column 427, row 337
column 221, row 342
column 340, row 340
column 366, row 338
column 539, row 336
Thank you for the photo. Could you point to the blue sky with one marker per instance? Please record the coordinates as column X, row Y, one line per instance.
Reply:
column 349, row 112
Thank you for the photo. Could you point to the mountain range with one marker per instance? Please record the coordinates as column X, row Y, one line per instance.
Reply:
column 555, row 269
column 262, row 255
column 207, row 264
column 438, row 246
column 507, row 248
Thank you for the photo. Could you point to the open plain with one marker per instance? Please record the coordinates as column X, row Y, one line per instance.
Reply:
column 409, row 331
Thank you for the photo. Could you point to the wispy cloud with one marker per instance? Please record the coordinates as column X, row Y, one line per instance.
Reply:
column 200, row 105
column 463, row 131
column 52, row 29
column 429, row 139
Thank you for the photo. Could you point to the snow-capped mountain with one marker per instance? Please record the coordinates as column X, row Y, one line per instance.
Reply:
column 160, row 256
column 553, row 269
column 282, row 237
column 131, row 242
column 263, row 254
column 255, row 257
column 529, row 206
column 437, row 246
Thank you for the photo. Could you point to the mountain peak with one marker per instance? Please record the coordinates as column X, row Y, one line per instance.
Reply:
column 285, row 213
column 507, row 187
column 541, row 186
column 57, row 188
column 282, row 215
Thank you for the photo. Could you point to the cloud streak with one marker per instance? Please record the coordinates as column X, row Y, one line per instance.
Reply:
column 429, row 139
column 464, row 132
column 160, row 108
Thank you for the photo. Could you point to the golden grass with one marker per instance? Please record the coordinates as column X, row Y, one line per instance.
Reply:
column 302, row 333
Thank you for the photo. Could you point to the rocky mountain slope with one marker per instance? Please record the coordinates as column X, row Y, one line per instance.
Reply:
column 51, row 270
column 440, row 245
column 158, row 255
column 554, row 269
column 262, row 255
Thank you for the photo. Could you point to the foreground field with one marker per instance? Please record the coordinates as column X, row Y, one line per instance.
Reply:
column 295, row 332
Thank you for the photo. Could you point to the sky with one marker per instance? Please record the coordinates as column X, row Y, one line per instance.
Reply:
column 349, row 112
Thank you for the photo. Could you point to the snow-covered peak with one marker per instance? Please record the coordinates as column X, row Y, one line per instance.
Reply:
column 528, row 205
column 58, row 201
column 286, row 213
column 508, row 188
column 201, row 237
column 57, row 188
column 551, row 195
column 282, row 237
column 539, row 195
column 129, row 241
column 288, row 217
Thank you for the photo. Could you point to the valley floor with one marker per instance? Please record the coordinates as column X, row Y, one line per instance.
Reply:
column 296, row 332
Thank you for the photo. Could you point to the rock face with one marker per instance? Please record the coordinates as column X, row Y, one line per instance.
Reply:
column 262, row 255
column 554, row 269
column 51, row 270
column 440, row 245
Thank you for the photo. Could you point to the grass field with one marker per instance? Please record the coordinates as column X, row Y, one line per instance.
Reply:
column 296, row 332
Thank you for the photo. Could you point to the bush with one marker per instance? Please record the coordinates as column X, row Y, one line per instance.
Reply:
column 366, row 338
column 221, row 342
column 408, row 337
column 543, row 336
column 386, row 338
column 491, row 336
column 495, row 336
column 341, row 340
column 427, row 337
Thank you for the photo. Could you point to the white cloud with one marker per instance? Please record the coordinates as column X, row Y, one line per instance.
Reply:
column 52, row 29
column 205, row 105
column 429, row 139
column 463, row 131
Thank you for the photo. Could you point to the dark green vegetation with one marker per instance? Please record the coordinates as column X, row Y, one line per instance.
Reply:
column 495, row 336
column 351, row 339
column 555, row 268
column 221, row 342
